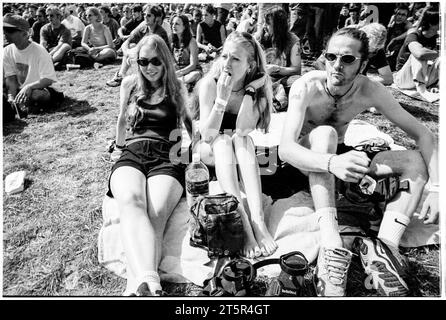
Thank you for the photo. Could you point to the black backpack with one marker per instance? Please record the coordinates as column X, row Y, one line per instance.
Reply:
column 81, row 57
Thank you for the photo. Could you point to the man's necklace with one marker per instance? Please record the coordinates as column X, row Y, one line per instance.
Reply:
column 336, row 98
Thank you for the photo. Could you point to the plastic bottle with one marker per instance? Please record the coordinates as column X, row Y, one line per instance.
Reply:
column 197, row 173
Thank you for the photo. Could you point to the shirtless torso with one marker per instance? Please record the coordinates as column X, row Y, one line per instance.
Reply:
column 324, row 109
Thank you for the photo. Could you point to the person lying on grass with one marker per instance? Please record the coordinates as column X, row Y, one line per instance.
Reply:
column 233, row 99
column 147, row 186
column 322, row 104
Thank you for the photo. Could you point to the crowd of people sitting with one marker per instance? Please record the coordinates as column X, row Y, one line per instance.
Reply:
column 404, row 44
column 256, row 53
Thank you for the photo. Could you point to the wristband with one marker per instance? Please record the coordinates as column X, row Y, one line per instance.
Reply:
column 219, row 108
column 329, row 162
column 434, row 187
column 221, row 102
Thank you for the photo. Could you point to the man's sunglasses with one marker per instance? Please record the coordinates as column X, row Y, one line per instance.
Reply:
column 144, row 62
column 345, row 58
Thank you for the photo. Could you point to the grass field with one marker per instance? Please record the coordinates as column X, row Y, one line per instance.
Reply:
column 51, row 228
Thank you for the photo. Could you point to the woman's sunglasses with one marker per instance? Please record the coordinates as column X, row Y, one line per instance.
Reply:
column 345, row 58
column 144, row 62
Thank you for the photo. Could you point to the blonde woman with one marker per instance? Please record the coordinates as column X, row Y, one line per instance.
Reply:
column 97, row 38
column 235, row 98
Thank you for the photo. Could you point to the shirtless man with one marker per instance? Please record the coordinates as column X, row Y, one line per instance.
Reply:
column 321, row 105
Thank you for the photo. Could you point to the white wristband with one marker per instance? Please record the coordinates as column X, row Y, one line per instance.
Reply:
column 434, row 188
column 221, row 102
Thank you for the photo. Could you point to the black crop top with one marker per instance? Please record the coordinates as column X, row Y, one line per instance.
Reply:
column 156, row 120
column 228, row 122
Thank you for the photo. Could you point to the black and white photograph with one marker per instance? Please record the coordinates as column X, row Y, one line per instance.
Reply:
column 298, row 157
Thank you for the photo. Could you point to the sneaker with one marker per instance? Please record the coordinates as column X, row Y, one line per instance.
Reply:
column 384, row 265
column 115, row 82
column 330, row 274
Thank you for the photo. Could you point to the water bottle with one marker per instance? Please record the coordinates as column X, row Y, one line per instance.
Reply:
column 197, row 173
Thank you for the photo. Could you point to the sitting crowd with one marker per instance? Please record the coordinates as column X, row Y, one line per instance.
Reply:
column 256, row 54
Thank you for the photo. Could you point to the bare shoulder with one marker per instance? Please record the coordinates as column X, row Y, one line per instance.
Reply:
column 207, row 84
column 309, row 83
column 370, row 88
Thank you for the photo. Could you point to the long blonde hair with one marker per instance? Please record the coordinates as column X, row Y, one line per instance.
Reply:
column 256, row 58
column 174, row 89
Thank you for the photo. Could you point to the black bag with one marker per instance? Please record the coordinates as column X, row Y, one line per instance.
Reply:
column 386, row 187
column 81, row 57
column 217, row 225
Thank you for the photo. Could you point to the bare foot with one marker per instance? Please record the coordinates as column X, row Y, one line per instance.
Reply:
column 250, row 249
column 264, row 238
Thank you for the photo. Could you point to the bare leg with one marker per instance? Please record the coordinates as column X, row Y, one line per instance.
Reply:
column 192, row 77
column 163, row 194
column 106, row 54
column 141, row 235
column 250, row 173
column 226, row 171
column 324, row 139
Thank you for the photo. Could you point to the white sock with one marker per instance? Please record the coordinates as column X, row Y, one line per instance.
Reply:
column 393, row 226
column 152, row 279
column 328, row 224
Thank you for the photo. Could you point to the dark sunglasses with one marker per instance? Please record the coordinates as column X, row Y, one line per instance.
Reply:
column 50, row 15
column 345, row 58
column 144, row 62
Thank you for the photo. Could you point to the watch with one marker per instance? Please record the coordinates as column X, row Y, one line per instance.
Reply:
column 250, row 92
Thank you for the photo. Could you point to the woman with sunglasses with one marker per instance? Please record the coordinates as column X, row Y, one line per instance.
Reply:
column 185, row 51
column 97, row 38
column 233, row 99
column 282, row 51
column 145, row 183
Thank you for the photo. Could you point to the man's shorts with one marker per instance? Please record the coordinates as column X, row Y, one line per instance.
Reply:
column 151, row 157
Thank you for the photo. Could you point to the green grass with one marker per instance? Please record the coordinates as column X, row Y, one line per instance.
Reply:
column 51, row 228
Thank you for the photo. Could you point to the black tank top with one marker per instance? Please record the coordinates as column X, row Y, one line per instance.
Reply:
column 228, row 122
column 211, row 34
column 154, row 120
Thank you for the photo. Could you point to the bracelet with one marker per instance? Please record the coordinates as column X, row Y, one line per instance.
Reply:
column 219, row 108
column 434, row 187
column 119, row 147
column 329, row 162
column 221, row 102
column 250, row 92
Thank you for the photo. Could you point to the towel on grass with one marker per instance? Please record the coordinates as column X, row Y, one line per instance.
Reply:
column 290, row 221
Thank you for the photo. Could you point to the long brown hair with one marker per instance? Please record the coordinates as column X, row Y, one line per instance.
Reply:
column 174, row 89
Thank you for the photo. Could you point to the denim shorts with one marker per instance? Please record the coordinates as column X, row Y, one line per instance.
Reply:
column 151, row 157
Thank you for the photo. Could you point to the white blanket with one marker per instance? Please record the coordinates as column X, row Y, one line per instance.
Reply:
column 289, row 220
